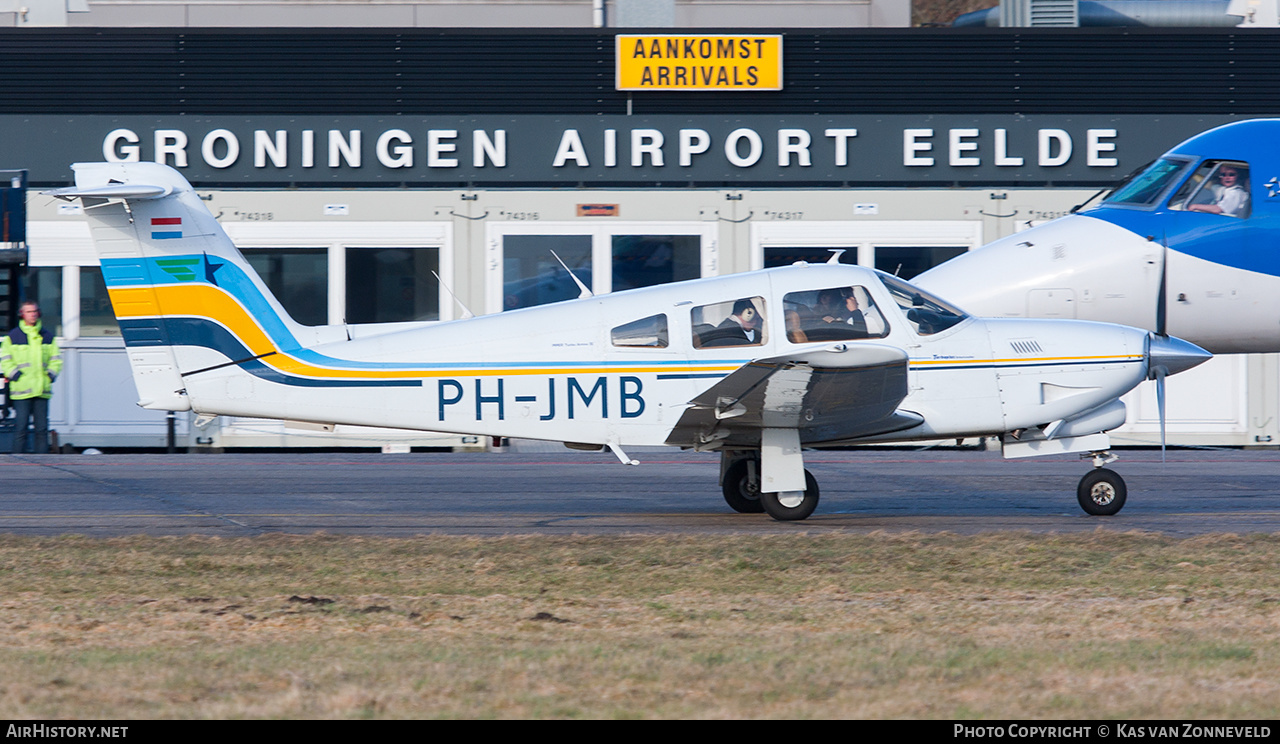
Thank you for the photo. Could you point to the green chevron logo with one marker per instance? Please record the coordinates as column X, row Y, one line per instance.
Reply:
column 182, row 269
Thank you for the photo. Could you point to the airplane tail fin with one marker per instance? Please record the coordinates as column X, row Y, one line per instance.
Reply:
column 185, row 297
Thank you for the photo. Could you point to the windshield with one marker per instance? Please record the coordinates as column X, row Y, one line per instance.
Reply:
column 927, row 313
column 1147, row 187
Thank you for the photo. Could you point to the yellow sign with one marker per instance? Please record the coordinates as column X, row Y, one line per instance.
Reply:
column 699, row 62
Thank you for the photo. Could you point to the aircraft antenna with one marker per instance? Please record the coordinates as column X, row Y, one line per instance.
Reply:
column 585, row 292
column 466, row 313
column 836, row 253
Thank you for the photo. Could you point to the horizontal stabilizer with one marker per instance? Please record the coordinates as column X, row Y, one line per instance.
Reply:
column 112, row 191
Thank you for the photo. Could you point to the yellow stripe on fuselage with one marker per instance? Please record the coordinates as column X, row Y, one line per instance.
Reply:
column 204, row 301
column 1027, row 360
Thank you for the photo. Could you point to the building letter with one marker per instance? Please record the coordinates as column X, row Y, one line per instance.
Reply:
column 570, row 149
column 793, row 141
column 1002, row 150
column 436, row 147
column 495, row 148
column 1095, row 148
column 646, row 140
column 731, row 147
column 171, row 142
column 403, row 152
column 264, row 147
column 610, row 148
column 308, row 148
column 693, row 142
column 911, row 146
column 841, row 136
column 127, row 153
column 1047, row 136
column 960, row 144
column 342, row 149
column 209, row 154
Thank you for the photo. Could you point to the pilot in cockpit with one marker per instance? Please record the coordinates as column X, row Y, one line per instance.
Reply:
column 1230, row 193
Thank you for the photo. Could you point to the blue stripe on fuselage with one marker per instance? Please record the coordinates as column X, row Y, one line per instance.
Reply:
column 1246, row 244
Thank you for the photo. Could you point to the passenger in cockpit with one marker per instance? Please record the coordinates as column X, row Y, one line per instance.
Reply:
column 853, row 315
column 829, row 308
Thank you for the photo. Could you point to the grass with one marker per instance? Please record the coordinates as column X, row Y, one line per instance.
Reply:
column 1101, row 625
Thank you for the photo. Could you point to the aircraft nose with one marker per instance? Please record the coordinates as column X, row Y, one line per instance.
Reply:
column 1173, row 355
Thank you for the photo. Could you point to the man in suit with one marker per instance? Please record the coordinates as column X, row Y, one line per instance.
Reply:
column 741, row 328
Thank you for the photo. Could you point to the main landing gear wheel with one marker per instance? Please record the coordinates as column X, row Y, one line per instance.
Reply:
column 789, row 506
column 741, row 487
column 1101, row 492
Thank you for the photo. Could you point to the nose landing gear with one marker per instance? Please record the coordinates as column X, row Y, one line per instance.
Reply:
column 1101, row 492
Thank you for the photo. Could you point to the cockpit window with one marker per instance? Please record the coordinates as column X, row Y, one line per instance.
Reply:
column 1147, row 187
column 650, row 332
column 1217, row 187
column 928, row 314
column 835, row 314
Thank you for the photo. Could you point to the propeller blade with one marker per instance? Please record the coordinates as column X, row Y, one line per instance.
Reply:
column 1169, row 356
column 1160, row 405
column 1162, row 298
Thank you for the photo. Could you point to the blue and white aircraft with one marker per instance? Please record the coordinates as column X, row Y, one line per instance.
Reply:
column 1189, row 247
column 755, row 366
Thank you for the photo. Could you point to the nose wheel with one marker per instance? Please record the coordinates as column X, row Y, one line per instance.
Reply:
column 1101, row 492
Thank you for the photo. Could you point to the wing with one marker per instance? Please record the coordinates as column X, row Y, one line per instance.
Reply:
column 830, row 394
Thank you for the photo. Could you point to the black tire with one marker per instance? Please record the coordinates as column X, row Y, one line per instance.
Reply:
column 783, row 513
column 1101, row 492
column 742, row 495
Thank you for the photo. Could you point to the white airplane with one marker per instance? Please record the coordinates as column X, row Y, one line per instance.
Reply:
column 756, row 366
column 1187, row 246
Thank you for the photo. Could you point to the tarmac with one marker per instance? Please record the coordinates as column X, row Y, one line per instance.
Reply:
column 551, row 490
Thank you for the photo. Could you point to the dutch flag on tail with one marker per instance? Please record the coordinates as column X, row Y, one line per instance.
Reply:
column 163, row 228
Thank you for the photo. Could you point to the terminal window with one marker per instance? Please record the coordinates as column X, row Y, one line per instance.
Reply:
column 646, row 260
column 906, row 262
column 531, row 275
column 299, row 279
column 392, row 285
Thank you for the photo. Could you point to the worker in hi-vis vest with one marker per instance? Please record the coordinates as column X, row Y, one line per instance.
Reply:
column 30, row 360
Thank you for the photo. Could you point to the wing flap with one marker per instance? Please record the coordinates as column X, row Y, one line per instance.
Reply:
column 841, row 392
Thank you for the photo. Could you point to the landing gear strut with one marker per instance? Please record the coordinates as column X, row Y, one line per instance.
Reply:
column 1101, row 492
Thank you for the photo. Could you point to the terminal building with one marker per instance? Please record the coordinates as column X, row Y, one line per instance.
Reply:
column 383, row 162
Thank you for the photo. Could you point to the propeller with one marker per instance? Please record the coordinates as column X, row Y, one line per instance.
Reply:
column 1162, row 310
column 1166, row 356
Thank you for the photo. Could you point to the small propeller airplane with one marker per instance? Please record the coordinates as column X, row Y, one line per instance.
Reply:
column 756, row 366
